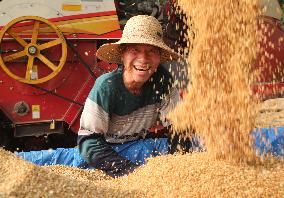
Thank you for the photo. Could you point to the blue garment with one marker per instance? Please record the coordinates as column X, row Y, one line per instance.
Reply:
column 138, row 151
column 135, row 151
column 269, row 140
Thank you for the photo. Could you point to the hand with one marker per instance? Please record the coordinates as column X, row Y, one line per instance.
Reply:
column 122, row 171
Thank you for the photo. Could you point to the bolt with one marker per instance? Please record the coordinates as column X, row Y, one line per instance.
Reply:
column 32, row 50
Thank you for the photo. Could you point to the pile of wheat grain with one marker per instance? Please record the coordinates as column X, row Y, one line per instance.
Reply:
column 198, row 175
column 271, row 113
column 20, row 178
column 189, row 175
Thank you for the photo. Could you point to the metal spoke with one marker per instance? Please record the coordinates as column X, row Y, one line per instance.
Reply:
column 29, row 67
column 19, row 39
column 14, row 56
column 47, row 62
column 35, row 32
column 50, row 44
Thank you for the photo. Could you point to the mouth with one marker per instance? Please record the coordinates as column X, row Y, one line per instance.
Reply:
column 147, row 68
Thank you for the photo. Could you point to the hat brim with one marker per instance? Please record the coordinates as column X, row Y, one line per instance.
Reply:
column 111, row 52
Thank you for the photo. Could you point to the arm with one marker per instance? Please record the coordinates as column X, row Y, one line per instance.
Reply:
column 94, row 124
column 99, row 154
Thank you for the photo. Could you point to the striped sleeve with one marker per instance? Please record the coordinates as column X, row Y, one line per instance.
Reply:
column 95, row 116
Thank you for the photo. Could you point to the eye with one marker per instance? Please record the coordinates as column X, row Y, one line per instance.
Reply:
column 154, row 51
column 132, row 49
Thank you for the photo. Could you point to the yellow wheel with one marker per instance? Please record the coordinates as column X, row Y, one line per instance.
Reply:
column 31, row 50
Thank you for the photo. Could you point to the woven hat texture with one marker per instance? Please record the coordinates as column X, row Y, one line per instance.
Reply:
column 140, row 29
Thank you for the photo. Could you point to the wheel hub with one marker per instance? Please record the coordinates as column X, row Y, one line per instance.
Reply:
column 32, row 50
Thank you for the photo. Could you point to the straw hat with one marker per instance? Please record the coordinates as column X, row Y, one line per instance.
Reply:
column 140, row 29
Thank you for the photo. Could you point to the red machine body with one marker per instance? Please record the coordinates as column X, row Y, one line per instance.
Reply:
column 270, row 61
column 69, row 90
column 30, row 106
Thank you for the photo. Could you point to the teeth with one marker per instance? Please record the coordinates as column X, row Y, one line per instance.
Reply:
column 148, row 66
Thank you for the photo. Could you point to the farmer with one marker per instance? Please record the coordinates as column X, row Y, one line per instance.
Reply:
column 125, row 110
column 126, row 104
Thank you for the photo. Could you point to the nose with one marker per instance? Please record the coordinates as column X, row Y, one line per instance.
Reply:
column 143, row 57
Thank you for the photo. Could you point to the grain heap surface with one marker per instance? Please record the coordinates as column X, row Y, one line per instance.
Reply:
column 20, row 178
column 197, row 175
column 189, row 175
column 271, row 113
column 77, row 173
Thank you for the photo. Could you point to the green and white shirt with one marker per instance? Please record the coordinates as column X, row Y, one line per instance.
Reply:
column 120, row 116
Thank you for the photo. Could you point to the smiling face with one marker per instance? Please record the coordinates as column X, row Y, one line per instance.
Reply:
column 140, row 62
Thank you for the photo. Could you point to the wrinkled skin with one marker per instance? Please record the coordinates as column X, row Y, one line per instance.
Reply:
column 140, row 62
